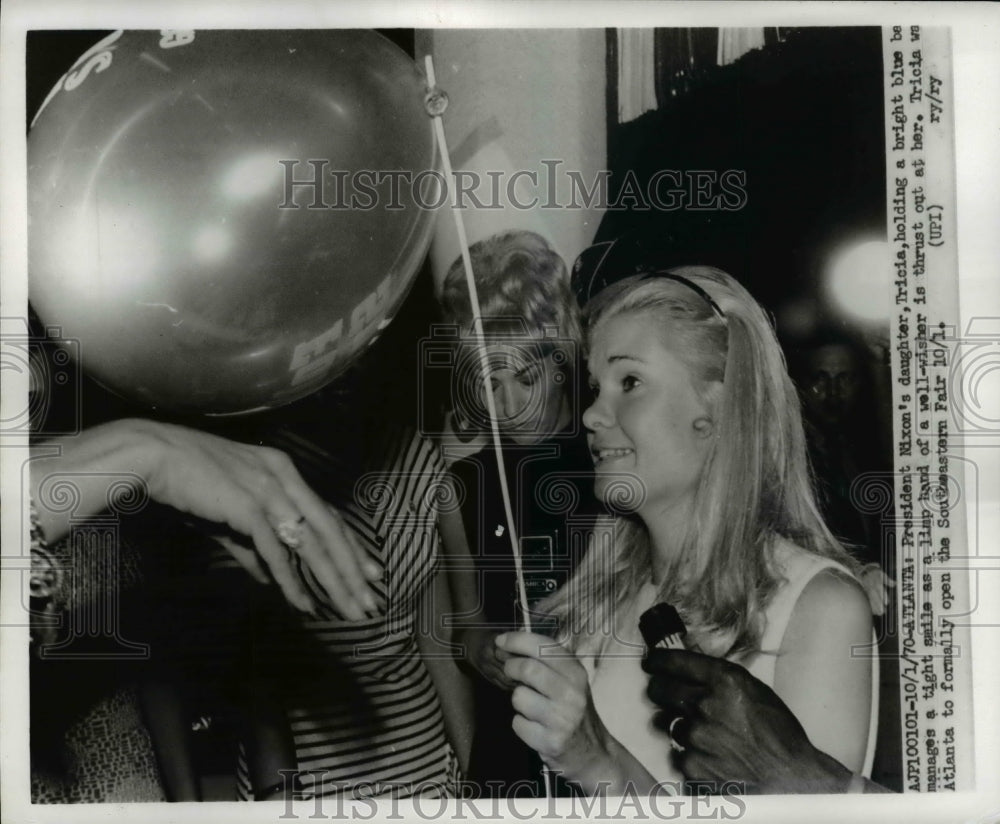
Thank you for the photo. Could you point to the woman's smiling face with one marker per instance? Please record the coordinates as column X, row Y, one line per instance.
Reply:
column 648, row 427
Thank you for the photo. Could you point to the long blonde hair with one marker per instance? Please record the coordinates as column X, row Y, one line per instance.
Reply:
column 755, row 486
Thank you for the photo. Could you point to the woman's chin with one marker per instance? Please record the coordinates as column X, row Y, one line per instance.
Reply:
column 525, row 437
column 621, row 492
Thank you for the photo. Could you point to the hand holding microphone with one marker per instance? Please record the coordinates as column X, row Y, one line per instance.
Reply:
column 663, row 629
column 727, row 725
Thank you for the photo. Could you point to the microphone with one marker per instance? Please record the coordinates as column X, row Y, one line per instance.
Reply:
column 662, row 628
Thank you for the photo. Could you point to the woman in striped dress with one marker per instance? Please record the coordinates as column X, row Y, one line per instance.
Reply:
column 377, row 706
column 359, row 698
column 364, row 697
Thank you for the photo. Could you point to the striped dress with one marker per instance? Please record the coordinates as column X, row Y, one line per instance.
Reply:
column 363, row 710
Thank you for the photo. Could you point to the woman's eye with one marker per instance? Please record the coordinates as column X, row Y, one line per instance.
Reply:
column 629, row 382
column 594, row 388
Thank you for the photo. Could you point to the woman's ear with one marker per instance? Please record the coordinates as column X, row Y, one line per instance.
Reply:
column 704, row 426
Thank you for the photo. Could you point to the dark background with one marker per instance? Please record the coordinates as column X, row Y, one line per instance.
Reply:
column 804, row 118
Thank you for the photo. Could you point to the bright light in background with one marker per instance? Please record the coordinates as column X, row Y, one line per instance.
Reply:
column 858, row 281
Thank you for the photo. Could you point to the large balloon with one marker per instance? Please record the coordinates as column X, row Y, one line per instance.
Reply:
column 170, row 231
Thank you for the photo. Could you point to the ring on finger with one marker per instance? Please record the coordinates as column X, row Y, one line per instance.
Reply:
column 672, row 732
column 291, row 531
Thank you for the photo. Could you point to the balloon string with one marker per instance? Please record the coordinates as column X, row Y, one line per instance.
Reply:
column 477, row 324
column 436, row 109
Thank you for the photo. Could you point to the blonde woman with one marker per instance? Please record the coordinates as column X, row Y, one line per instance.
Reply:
column 695, row 433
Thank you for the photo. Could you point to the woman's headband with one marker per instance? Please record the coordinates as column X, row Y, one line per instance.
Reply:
column 591, row 276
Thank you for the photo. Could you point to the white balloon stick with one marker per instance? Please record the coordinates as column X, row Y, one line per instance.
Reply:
column 435, row 96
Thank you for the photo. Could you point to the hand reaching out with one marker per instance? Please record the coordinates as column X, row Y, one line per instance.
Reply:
column 734, row 728
column 254, row 490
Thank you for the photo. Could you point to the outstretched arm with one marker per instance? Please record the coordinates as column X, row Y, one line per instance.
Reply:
column 252, row 490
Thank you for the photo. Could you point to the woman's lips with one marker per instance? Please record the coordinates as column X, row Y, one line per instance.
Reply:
column 610, row 453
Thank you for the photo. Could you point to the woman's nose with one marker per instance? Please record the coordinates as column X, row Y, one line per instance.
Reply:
column 597, row 415
column 505, row 400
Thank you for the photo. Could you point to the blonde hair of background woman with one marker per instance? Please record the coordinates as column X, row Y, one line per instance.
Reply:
column 518, row 275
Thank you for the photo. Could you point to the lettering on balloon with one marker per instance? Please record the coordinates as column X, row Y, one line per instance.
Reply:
column 315, row 357
column 366, row 312
column 171, row 38
column 312, row 358
column 96, row 59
